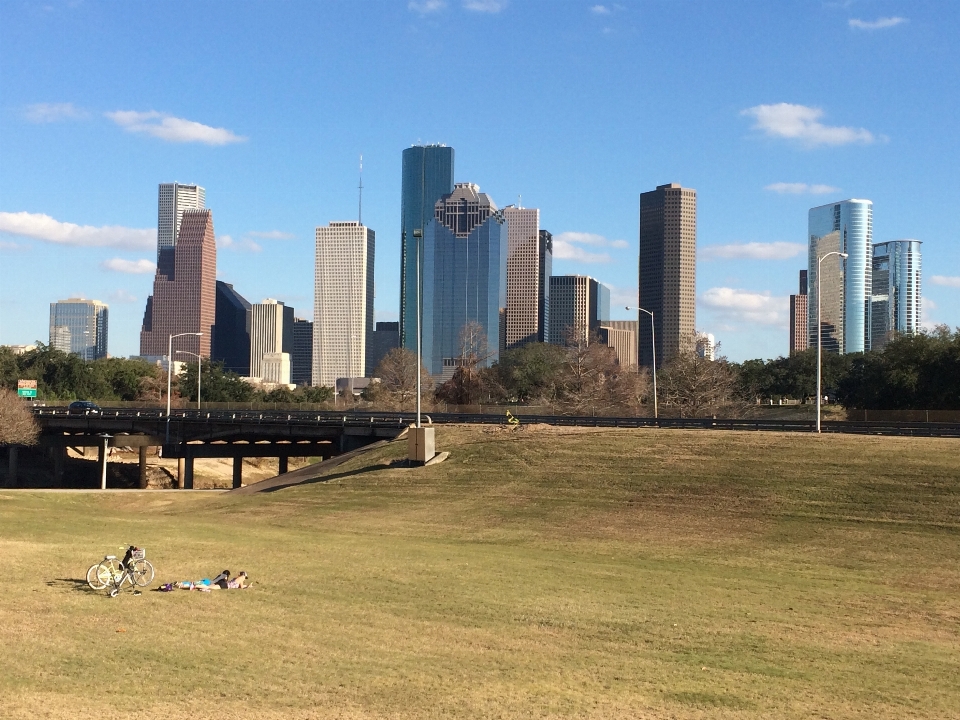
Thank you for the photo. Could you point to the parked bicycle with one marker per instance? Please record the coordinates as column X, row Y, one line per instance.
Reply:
column 113, row 573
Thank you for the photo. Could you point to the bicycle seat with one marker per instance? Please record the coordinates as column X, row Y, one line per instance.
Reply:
column 109, row 557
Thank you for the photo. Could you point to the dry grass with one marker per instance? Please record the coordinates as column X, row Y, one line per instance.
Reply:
column 540, row 572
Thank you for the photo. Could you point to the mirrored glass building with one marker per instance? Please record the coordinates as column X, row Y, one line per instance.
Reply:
column 895, row 301
column 845, row 283
column 464, row 276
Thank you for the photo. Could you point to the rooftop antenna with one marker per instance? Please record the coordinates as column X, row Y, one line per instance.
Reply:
column 519, row 204
column 360, row 187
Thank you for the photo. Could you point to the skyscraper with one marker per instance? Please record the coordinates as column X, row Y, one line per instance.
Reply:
column 847, row 284
column 301, row 360
column 464, row 275
column 184, row 290
column 174, row 200
column 384, row 338
column 427, row 176
column 895, row 300
column 343, row 301
column 529, row 256
column 668, row 276
column 799, row 334
column 231, row 330
column 79, row 326
column 578, row 304
column 545, row 270
column 271, row 334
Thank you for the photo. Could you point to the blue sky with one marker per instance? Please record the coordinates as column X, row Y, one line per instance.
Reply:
column 766, row 108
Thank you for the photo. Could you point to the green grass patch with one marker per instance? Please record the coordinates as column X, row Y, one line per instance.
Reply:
column 540, row 572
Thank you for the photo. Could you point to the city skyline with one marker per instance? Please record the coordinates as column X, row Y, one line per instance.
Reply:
column 90, row 126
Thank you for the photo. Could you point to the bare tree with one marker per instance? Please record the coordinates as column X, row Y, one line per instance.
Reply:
column 397, row 388
column 17, row 426
column 698, row 387
column 467, row 384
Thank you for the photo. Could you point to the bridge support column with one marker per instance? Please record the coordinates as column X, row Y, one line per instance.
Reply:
column 12, row 465
column 102, row 463
column 143, row 467
column 179, row 473
column 283, row 464
column 59, row 457
column 188, row 473
column 237, row 471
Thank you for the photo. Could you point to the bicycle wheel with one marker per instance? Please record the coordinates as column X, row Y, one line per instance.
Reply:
column 106, row 574
column 142, row 572
column 93, row 578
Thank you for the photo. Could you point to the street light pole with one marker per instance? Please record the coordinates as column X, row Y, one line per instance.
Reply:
column 418, row 237
column 170, row 372
column 819, row 334
column 653, row 343
column 199, row 369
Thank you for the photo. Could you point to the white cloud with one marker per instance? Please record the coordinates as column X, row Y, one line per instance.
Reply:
column 425, row 7
column 927, row 321
column 172, row 129
column 53, row 112
column 799, row 122
column 801, row 189
column 753, row 251
column 272, row 235
column 44, row 227
column 567, row 246
column 122, row 296
column 7, row 246
column 622, row 297
column 131, row 267
column 487, row 6
column 946, row 280
column 242, row 245
column 745, row 306
column 600, row 10
column 878, row 24
column 224, row 241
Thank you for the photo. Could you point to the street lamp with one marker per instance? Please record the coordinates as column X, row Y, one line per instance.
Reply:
column 819, row 328
column 199, row 368
column 418, row 237
column 653, row 343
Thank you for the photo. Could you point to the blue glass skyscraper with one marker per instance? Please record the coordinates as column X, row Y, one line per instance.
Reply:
column 464, row 275
column 427, row 176
column 896, row 291
column 846, row 283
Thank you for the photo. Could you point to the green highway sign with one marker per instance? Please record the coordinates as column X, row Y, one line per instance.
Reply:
column 27, row 392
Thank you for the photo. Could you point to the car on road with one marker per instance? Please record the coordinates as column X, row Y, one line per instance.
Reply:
column 83, row 407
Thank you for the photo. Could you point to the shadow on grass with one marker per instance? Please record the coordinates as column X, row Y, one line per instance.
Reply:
column 72, row 583
column 334, row 476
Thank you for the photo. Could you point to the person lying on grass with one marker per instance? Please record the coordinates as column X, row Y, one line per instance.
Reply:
column 221, row 582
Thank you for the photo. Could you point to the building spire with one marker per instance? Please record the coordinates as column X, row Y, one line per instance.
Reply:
column 360, row 187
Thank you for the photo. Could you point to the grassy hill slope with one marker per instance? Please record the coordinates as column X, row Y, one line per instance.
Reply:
column 539, row 572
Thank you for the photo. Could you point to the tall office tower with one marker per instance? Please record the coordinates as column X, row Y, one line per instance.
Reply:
column 623, row 342
column 231, row 330
column 706, row 346
column 464, row 276
column 301, row 360
column 79, row 326
column 271, row 332
column 382, row 340
column 545, row 271
column 578, row 304
column 668, row 274
column 175, row 199
column 895, row 301
column 846, row 286
column 427, row 176
column 184, row 296
column 526, row 264
column 342, row 301
column 799, row 335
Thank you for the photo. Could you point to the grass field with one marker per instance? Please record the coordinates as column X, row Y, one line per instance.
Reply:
column 536, row 573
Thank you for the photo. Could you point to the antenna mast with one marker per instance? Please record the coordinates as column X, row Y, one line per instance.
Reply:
column 360, row 187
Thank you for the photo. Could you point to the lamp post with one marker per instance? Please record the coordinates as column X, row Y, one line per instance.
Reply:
column 418, row 237
column 199, row 369
column 819, row 328
column 170, row 372
column 653, row 343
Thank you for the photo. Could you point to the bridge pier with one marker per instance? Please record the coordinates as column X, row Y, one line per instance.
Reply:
column 12, row 466
column 143, row 466
column 180, row 473
column 238, row 471
column 187, row 472
column 59, row 453
column 282, row 464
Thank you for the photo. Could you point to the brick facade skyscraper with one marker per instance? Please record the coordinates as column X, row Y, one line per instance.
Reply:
column 798, row 317
column 184, row 290
column 668, row 278
column 529, row 254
